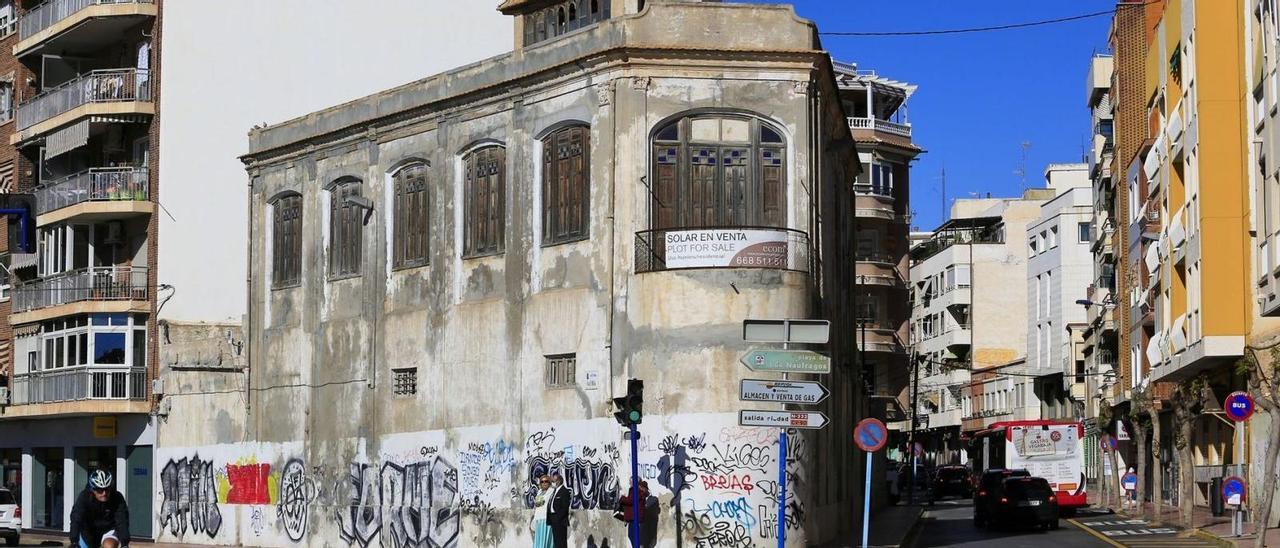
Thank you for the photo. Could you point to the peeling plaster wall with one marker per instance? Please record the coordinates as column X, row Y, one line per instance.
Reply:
column 322, row 409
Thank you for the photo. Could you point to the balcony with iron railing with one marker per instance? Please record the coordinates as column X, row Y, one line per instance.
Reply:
column 120, row 91
column 875, row 124
column 123, row 285
column 108, row 190
column 86, row 24
column 81, row 383
column 721, row 247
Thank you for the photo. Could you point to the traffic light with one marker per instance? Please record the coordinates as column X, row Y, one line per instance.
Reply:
column 629, row 406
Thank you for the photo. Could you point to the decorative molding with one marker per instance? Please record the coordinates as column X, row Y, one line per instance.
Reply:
column 641, row 83
column 604, row 92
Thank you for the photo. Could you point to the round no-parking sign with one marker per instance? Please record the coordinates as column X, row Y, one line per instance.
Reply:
column 1234, row 490
column 870, row 435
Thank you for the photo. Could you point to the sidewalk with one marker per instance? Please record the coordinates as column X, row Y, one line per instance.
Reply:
column 42, row 539
column 891, row 527
column 1206, row 525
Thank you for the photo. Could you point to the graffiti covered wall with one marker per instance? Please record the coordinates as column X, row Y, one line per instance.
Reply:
column 716, row 485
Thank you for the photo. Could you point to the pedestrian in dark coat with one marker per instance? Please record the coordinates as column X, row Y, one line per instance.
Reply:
column 558, row 513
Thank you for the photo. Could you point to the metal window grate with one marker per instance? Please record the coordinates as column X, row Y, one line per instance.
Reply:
column 561, row 370
column 406, row 381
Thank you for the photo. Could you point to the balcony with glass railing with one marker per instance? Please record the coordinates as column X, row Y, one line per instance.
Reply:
column 100, row 191
column 119, row 287
column 111, row 91
column 86, row 24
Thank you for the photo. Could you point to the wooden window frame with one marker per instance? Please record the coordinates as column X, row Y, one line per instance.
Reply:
column 560, row 371
column 346, row 230
column 286, row 241
column 484, row 221
column 566, row 185
column 689, row 188
column 410, row 216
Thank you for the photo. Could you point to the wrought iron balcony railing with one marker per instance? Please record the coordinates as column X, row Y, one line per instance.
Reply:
column 80, row 383
column 94, row 185
column 99, row 86
column 52, row 12
column 99, row 283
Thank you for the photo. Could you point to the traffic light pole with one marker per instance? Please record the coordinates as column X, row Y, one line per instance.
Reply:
column 635, row 488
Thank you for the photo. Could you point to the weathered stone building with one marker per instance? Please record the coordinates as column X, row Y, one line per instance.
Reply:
column 450, row 280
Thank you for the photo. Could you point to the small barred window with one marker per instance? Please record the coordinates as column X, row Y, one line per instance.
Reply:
column 406, row 381
column 561, row 370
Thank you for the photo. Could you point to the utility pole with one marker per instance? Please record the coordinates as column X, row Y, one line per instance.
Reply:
column 915, row 412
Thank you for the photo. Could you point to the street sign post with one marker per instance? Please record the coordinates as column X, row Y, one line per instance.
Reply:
column 870, row 435
column 796, row 392
column 787, row 361
column 810, row 420
column 1238, row 407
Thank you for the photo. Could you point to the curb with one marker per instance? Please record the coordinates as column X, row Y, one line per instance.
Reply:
column 1100, row 536
column 909, row 539
column 1210, row 537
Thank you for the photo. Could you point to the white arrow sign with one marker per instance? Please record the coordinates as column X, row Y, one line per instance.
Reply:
column 802, row 392
column 782, row 419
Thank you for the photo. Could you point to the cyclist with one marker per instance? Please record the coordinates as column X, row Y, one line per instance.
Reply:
column 100, row 517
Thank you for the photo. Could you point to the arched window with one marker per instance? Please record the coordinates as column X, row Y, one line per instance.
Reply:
column 345, row 223
column 566, row 185
column 718, row 170
column 286, row 240
column 410, row 217
column 484, row 194
column 573, row 12
column 562, row 22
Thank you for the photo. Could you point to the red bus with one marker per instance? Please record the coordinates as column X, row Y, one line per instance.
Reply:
column 1050, row 449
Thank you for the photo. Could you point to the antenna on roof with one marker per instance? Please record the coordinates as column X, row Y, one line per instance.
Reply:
column 1021, row 172
column 946, row 212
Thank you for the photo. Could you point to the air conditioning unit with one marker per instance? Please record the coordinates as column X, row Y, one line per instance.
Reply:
column 115, row 233
column 157, row 386
column 4, row 395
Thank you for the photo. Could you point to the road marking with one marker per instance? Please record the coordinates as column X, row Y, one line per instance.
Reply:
column 1100, row 536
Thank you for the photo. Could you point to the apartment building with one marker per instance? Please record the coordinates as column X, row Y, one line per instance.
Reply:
column 967, row 326
column 86, row 79
column 877, row 110
column 1263, row 81
column 1059, row 263
column 1192, row 280
column 536, row 229
column 1100, row 334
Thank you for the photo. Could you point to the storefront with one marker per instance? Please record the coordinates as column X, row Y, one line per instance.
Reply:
column 46, row 463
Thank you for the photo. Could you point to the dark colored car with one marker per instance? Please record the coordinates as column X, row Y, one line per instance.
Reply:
column 914, row 484
column 952, row 480
column 987, row 486
column 1023, row 500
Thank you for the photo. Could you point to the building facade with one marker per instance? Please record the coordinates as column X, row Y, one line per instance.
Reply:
column 877, row 110
column 967, row 327
column 86, row 78
column 1058, row 265
column 1101, row 338
column 450, row 281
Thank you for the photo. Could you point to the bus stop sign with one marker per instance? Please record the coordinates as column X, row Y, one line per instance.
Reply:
column 1239, row 406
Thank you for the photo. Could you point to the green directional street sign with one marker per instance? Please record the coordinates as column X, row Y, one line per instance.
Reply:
column 787, row 361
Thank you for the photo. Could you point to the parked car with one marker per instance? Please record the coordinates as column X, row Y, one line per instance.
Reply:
column 919, row 478
column 1023, row 500
column 987, row 486
column 10, row 518
column 952, row 480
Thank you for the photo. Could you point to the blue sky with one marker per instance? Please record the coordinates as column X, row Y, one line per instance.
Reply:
column 981, row 95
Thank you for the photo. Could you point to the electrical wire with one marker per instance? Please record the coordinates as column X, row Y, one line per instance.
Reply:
column 991, row 28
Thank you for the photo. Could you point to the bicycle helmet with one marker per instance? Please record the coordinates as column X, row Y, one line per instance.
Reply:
column 100, row 479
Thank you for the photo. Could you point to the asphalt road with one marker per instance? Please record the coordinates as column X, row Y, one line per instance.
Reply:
column 950, row 523
column 1138, row 533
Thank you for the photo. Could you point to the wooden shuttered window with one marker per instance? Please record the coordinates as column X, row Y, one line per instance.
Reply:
column 345, row 223
column 566, row 185
column 719, row 172
column 410, row 217
column 484, row 192
column 286, row 241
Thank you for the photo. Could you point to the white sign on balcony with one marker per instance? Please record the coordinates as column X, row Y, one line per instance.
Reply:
column 750, row 248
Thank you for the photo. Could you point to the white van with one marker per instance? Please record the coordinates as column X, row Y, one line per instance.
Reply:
column 10, row 518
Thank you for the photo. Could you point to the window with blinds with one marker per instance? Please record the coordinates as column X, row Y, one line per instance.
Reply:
column 566, row 185
column 286, row 241
column 410, row 218
column 484, row 194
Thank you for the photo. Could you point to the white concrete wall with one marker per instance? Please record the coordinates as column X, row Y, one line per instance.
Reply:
column 1057, row 276
column 232, row 64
